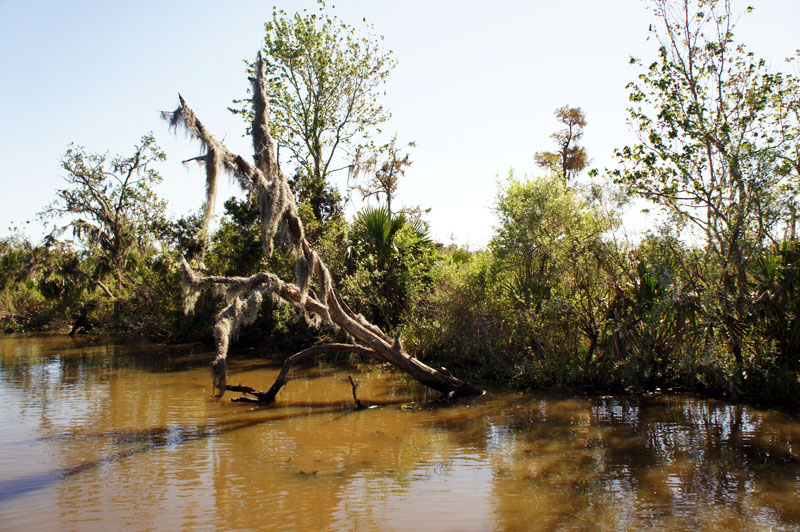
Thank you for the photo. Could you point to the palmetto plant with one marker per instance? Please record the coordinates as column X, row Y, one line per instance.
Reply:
column 376, row 228
column 390, row 257
column 777, row 283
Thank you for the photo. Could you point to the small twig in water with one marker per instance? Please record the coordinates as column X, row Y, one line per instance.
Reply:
column 359, row 405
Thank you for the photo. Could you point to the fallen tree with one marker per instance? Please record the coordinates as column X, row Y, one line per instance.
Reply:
column 244, row 295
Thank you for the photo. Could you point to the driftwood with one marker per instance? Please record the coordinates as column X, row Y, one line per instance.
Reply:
column 267, row 182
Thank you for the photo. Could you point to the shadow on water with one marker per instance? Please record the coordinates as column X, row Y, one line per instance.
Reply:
column 145, row 440
column 155, row 438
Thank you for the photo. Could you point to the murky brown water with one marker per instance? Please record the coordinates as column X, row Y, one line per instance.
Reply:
column 105, row 437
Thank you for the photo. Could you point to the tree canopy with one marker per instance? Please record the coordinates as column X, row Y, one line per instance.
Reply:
column 111, row 202
column 323, row 80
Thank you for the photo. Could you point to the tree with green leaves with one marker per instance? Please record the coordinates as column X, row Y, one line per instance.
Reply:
column 323, row 81
column 549, row 247
column 718, row 149
column 110, row 203
column 569, row 159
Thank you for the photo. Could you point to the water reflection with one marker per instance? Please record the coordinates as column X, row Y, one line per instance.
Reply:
column 100, row 436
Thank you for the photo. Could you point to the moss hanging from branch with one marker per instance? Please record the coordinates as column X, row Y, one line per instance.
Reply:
column 245, row 294
column 213, row 164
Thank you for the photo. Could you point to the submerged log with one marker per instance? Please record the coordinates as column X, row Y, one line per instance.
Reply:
column 245, row 294
column 280, row 381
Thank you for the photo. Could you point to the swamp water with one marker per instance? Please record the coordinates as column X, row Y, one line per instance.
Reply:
column 97, row 437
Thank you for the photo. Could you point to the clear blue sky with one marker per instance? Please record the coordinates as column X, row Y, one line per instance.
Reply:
column 475, row 87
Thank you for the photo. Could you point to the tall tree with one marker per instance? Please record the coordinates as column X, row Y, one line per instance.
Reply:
column 569, row 159
column 718, row 145
column 110, row 202
column 267, row 182
column 323, row 81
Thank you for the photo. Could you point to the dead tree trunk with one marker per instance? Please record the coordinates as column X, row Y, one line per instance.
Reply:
column 245, row 294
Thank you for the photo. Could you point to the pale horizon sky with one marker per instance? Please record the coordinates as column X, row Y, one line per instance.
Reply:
column 475, row 87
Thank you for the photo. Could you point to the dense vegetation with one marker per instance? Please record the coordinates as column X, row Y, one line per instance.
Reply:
column 560, row 297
